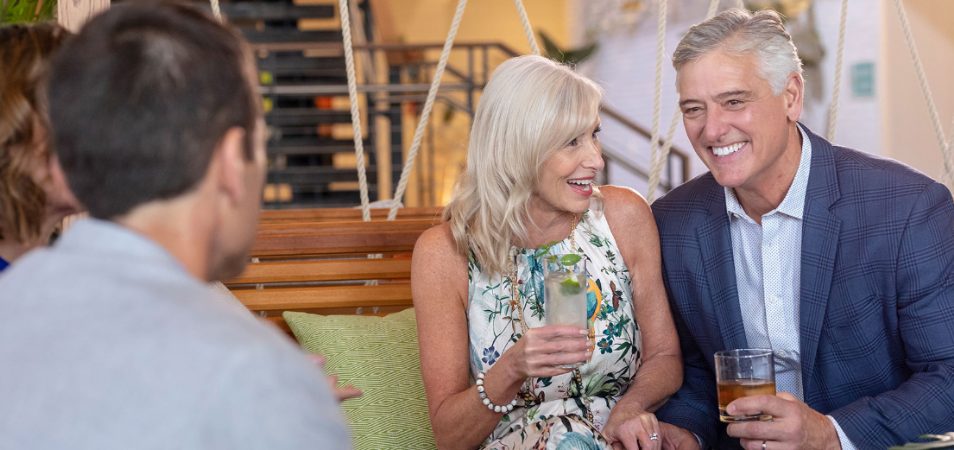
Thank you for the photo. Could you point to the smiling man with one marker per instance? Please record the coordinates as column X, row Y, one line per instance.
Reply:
column 838, row 261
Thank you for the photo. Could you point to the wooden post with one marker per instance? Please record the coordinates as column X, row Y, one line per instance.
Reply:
column 72, row 14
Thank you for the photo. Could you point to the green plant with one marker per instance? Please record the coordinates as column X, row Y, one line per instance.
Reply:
column 565, row 56
column 21, row 11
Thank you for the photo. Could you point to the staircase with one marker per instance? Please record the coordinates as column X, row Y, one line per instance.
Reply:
column 299, row 52
column 311, row 148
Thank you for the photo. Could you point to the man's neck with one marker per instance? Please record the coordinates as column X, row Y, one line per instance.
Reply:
column 772, row 189
column 179, row 226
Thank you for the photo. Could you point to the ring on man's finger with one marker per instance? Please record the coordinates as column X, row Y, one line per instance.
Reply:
column 653, row 436
column 763, row 445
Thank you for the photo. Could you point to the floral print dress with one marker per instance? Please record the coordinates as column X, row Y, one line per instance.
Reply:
column 552, row 413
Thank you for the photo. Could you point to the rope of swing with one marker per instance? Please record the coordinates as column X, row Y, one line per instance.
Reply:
column 660, row 156
column 355, row 113
column 527, row 29
column 654, row 150
column 836, row 86
column 216, row 11
column 926, row 90
column 426, row 111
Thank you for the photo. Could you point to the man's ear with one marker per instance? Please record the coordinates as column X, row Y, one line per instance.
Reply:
column 232, row 163
column 794, row 96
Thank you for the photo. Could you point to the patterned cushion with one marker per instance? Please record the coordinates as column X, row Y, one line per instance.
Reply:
column 378, row 355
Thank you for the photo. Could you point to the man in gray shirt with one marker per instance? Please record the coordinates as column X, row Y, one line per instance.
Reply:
column 112, row 338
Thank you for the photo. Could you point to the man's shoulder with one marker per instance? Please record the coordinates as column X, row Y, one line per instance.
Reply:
column 693, row 197
column 859, row 172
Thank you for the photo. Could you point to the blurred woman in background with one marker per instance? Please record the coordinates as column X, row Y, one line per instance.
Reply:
column 32, row 201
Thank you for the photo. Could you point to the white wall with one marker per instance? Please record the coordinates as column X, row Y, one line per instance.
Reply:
column 906, row 126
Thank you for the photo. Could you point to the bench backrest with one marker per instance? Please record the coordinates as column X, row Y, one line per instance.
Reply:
column 331, row 266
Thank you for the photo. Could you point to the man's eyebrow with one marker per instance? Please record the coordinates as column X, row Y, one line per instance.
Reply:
column 719, row 97
column 736, row 93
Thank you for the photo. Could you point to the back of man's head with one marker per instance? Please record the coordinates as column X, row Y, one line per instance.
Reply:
column 139, row 100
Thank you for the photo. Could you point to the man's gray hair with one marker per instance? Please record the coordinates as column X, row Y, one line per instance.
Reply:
column 741, row 32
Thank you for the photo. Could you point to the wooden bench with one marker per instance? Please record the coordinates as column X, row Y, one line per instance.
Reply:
column 318, row 263
column 344, row 214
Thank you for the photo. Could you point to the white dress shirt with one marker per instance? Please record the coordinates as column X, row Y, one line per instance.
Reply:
column 768, row 276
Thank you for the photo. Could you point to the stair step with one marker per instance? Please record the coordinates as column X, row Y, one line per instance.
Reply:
column 275, row 11
column 271, row 35
column 305, row 116
column 315, row 175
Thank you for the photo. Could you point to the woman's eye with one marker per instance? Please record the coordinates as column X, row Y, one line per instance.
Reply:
column 574, row 142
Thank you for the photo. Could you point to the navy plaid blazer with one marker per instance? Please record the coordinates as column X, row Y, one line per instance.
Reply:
column 877, row 298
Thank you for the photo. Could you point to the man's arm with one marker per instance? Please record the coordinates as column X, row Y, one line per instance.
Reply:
column 924, row 403
column 694, row 406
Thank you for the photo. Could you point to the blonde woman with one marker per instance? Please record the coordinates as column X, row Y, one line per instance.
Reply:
column 493, row 369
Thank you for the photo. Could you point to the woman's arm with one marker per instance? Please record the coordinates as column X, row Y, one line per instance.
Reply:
column 660, row 375
column 439, row 287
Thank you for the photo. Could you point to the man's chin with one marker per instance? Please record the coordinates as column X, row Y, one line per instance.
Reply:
column 228, row 267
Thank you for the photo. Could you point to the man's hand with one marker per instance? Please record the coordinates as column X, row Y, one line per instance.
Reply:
column 632, row 431
column 341, row 393
column 675, row 438
column 794, row 424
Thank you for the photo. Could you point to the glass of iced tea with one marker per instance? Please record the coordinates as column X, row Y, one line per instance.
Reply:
column 742, row 372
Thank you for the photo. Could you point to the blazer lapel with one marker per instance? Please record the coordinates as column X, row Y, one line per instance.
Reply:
column 820, row 230
column 715, row 244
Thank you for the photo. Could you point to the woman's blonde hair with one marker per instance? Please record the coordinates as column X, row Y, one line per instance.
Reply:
column 25, row 52
column 530, row 108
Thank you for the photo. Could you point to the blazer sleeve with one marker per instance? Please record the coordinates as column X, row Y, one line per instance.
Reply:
column 924, row 402
column 694, row 406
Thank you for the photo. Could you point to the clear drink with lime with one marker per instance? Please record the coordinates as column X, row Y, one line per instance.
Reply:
column 565, row 286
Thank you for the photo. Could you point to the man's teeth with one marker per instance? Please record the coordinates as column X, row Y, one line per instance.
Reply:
column 728, row 149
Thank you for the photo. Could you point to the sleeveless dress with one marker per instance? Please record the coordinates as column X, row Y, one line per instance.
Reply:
column 552, row 412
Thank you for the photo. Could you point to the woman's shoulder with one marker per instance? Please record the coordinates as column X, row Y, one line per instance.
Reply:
column 440, row 237
column 624, row 205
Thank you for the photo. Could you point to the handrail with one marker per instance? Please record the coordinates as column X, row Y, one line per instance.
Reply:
column 466, row 84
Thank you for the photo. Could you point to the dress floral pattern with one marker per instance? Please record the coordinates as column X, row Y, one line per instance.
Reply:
column 552, row 413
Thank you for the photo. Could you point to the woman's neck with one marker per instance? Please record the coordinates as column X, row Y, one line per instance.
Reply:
column 546, row 226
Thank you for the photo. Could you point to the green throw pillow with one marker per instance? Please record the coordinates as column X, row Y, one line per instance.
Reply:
column 378, row 355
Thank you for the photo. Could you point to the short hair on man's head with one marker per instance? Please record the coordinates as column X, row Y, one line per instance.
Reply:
column 530, row 108
column 741, row 32
column 141, row 97
column 25, row 51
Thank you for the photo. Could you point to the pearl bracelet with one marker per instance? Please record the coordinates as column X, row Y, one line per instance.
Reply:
column 486, row 400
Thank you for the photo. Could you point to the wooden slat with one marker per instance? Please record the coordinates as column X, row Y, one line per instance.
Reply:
column 345, row 214
column 302, row 239
column 325, row 297
column 323, row 270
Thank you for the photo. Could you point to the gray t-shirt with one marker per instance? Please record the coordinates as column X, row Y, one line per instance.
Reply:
column 106, row 342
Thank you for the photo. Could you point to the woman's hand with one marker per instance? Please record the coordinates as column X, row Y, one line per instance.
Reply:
column 341, row 393
column 541, row 351
column 633, row 431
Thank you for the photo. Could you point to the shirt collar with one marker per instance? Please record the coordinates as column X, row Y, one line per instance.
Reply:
column 793, row 204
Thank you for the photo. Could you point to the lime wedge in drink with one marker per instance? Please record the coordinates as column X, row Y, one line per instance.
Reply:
column 569, row 286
